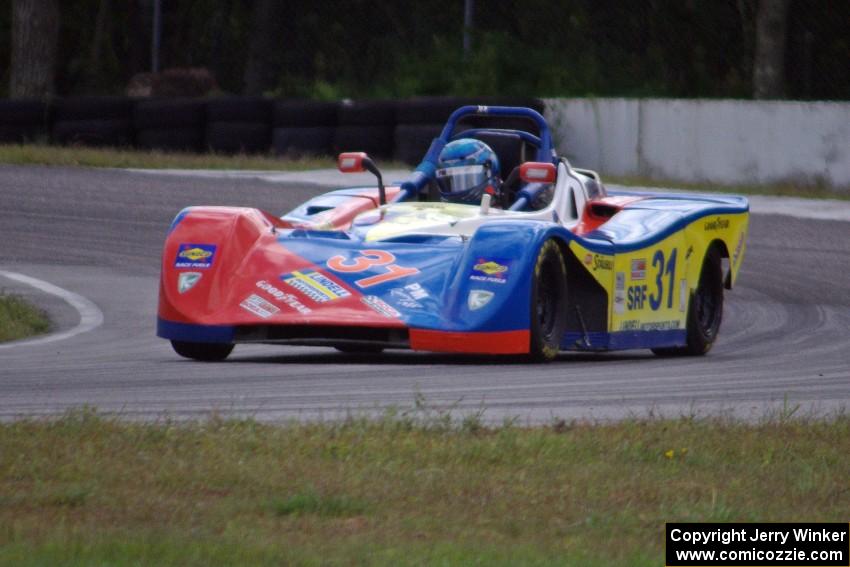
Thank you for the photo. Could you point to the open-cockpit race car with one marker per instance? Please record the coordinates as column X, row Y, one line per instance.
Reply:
column 547, row 261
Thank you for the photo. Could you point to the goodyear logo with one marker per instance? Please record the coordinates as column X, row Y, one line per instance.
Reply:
column 195, row 256
column 316, row 286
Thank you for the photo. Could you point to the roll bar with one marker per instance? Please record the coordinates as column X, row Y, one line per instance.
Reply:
column 428, row 167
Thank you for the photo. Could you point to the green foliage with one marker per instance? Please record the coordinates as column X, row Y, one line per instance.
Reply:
column 19, row 319
column 357, row 48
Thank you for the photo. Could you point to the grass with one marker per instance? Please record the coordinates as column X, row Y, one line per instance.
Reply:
column 34, row 154
column 815, row 191
column 39, row 154
column 19, row 319
column 86, row 489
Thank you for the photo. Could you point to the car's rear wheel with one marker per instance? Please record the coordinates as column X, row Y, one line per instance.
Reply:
column 207, row 352
column 706, row 310
column 548, row 302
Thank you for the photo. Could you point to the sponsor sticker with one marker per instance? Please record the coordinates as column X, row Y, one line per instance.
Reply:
column 492, row 271
column 416, row 291
column 738, row 248
column 197, row 256
column 620, row 293
column 683, row 294
column 409, row 296
column 403, row 299
column 380, row 306
column 285, row 298
column 478, row 298
column 316, row 286
column 598, row 262
column 639, row 269
column 636, row 325
column 258, row 306
column 187, row 280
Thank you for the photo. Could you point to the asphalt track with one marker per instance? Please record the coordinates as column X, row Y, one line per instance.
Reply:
column 97, row 235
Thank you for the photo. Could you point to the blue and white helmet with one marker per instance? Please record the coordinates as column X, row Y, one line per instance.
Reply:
column 467, row 169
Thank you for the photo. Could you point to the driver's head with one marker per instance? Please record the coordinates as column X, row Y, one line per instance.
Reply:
column 467, row 169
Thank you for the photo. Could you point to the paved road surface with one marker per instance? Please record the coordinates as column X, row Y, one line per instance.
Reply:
column 97, row 233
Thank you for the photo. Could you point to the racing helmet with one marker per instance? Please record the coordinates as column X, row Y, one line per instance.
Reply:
column 468, row 168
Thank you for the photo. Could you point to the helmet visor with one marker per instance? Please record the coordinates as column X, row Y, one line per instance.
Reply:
column 461, row 178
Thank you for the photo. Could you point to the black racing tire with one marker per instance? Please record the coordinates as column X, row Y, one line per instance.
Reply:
column 377, row 141
column 240, row 109
column 238, row 137
column 548, row 303
column 113, row 132
column 367, row 113
column 20, row 133
column 360, row 349
column 171, row 139
column 413, row 140
column 430, row 109
column 304, row 113
column 93, row 108
column 23, row 112
column 705, row 310
column 303, row 140
column 205, row 352
column 160, row 114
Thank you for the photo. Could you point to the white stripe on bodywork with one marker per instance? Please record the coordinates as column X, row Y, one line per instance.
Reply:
column 91, row 316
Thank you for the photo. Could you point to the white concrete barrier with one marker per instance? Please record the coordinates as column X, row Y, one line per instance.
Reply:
column 716, row 141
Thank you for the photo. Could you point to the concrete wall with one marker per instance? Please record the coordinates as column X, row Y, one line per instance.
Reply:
column 723, row 141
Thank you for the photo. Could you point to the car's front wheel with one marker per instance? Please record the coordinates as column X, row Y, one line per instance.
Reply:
column 207, row 352
column 548, row 302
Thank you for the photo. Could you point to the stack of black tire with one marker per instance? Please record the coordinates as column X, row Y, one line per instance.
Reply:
column 171, row 124
column 383, row 128
column 421, row 119
column 23, row 121
column 304, row 127
column 239, row 124
column 366, row 126
column 93, row 121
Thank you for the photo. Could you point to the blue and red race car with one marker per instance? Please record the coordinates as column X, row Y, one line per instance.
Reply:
column 553, row 262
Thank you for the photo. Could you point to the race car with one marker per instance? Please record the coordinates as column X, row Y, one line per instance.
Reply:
column 553, row 262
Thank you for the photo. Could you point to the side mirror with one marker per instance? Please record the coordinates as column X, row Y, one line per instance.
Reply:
column 538, row 172
column 351, row 162
column 356, row 162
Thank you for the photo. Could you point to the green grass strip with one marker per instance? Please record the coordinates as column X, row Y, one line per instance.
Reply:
column 19, row 319
column 85, row 489
column 31, row 154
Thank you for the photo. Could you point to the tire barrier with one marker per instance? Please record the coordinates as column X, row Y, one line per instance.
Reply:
column 170, row 124
column 421, row 119
column 93, row 121
column 239, row 124
column 23, row 120
column 401, row 130
column 366, row 126
column 304, row 127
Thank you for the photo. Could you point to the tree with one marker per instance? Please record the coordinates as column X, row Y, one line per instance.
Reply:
column 265, row 41
column 35, row 39
column 769, row 64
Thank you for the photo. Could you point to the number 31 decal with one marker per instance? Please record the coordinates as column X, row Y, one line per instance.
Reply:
column 658, row 260
column 368, row 259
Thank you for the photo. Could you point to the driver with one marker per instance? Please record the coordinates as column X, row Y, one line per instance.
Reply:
column 467, row 169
